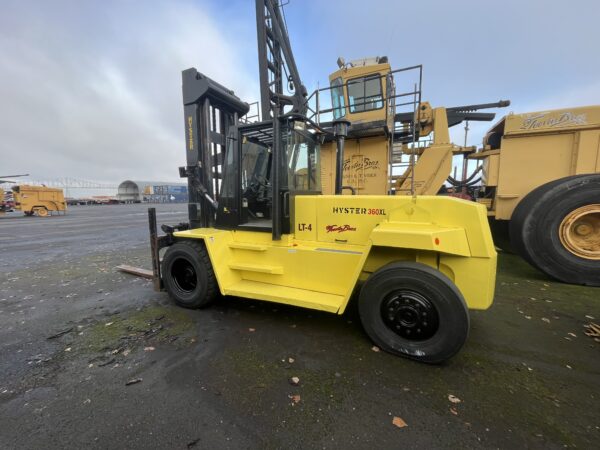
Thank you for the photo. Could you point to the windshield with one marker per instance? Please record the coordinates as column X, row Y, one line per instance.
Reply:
column 364, row 94
column 337, row 98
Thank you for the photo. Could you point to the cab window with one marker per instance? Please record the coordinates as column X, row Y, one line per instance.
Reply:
column 365, row 94
column 337, row 98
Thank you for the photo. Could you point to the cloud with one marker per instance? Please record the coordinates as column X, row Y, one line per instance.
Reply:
column 94, row 92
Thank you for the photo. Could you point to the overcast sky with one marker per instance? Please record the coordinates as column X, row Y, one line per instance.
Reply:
column 92, row 89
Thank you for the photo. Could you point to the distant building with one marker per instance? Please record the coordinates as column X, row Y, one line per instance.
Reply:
column 152, row 192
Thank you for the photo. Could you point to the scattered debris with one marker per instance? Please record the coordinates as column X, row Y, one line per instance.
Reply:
column 107, row 362
column 375, row 348
column 193, row 443
column 68, row 349
column 572, row 334
column 60, row 333
column 593, row 330
column 126, row 352
column 295, row 399
column 137, row 271
column 291, row 360
column 149, row 349
column 453, row 398
column 87, row 401
column 399, row 422
column 251, row 330
column 108, row 324
column 589, row 317
column 454, row 411
column 294, row 381
column 545, row 319
column 528, row 317
column 133, row 381
column 568, row 367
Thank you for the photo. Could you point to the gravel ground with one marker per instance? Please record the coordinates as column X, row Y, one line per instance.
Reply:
column 92, row 357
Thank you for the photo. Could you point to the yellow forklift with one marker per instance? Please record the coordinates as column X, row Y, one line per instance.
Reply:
column 261, row 228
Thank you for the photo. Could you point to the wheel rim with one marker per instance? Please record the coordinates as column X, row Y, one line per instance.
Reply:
column 410, row 315
column 184, row 275
column 42, row 212
column 580, row 232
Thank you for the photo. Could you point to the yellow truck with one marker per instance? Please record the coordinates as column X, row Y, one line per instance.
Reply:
column 39, row 200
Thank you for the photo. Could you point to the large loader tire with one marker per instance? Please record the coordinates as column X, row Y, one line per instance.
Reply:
column 188, row 275
column 556, row 228
column 412, row 310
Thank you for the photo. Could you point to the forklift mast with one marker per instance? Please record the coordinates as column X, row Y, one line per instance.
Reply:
column 212, row 113
column 210, row 110
column 276, row 61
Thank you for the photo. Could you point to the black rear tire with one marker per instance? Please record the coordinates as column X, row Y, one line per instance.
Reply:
column 412, row 310
column 188, row 275
column 536, row 224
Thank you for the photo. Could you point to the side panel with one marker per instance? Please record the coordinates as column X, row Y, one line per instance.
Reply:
column 587, row 157
column 365, row 166
column 529, row 162
column 302, row 273
column 448, row 233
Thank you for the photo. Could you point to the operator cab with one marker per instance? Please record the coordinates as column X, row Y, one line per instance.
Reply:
column 246, row 199
column 359, row 93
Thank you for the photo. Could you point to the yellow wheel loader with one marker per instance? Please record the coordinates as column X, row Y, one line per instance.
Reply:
column 260, row 227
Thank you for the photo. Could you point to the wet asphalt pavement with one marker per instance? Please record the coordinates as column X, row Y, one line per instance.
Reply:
column 74, row 332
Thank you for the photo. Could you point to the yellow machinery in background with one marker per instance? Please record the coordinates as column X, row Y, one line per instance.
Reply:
column 538, row 174
column 261, row 228
column 39, row 200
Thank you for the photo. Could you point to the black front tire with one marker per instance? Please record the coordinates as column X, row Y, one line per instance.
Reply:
column 395, row 296
column 188, row 275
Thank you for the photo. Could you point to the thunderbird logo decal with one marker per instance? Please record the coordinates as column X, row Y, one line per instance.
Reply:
column 339, row 228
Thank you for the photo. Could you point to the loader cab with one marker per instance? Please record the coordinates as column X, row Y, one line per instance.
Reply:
column 247, row 197
column 360, row 90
